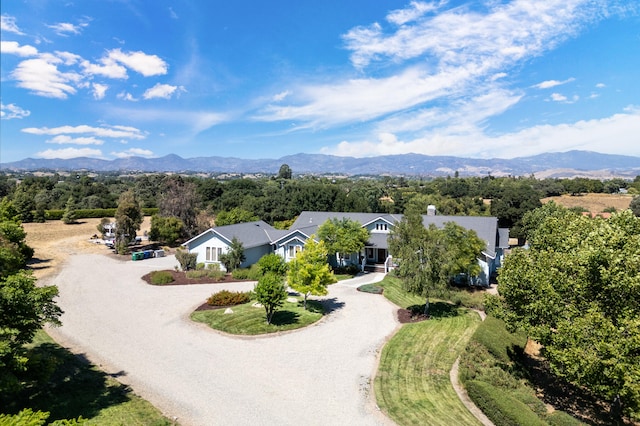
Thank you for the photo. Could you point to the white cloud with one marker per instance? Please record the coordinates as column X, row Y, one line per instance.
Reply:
column 65, row 139
column 67, row 153
column 163, row 91
column 107, row 68
column 125, row 96
column 105, row 132
column 14, row 48
column 133, row 152
column 557, row 97
column 65, row 28
column 8, row 24
column 552, row 83
column 147, row 65
column 615, row 134
column 42, row 77
column 280, row 96
column 172, row 13
column 99, row 90
column 601, row 85
column 196, row 121
column 11, row 111
column 435, row 58
column 415, row 10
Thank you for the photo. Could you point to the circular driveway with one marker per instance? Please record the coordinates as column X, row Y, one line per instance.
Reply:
column 320, row 375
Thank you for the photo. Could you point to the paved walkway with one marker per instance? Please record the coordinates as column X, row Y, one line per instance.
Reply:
column 319, row 375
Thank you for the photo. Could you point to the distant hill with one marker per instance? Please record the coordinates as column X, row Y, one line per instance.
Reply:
column 565, row 164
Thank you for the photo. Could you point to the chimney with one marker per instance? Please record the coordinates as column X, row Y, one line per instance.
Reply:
column 431, row 210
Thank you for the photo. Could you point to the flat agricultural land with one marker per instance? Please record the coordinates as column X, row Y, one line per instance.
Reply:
column 54, row 241
column 595, row 203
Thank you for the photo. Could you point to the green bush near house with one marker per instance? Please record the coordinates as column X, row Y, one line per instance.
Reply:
column 161, row 277
column 228, row 298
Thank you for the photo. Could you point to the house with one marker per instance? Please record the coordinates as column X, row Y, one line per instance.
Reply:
column 260, row 238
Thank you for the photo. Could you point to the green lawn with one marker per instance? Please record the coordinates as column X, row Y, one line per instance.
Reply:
column 412, row 385
column 249, row 320
column 76, row 388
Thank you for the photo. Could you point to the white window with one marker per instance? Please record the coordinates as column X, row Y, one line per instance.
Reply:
column 293, row 250
column 213, row 254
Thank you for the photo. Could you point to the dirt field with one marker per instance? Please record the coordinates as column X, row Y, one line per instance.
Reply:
column 53, row 242
column 595, row 203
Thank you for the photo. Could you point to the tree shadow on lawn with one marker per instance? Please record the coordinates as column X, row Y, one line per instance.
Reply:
column 66, row 385
column 284, row 318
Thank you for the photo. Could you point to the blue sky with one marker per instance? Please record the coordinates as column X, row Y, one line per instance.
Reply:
column 257, row 79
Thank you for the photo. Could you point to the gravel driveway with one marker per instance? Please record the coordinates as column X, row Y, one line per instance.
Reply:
column 321, row 375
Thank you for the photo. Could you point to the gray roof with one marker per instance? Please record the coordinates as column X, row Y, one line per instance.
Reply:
column 253, row 234
column 485, row 226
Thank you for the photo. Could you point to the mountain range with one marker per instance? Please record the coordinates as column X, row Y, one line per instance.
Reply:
column 559, row 165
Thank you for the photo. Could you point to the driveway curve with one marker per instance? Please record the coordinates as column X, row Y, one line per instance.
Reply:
column 142, row 334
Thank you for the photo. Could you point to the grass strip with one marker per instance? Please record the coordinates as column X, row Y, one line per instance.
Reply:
column 412, row 385
column 249, row 320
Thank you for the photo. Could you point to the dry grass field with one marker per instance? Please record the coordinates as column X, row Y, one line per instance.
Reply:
column 53, row 242
column 595, row 203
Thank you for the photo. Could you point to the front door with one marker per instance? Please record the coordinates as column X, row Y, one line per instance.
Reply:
column 382, row 255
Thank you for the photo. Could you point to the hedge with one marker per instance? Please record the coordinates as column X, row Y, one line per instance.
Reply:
column 500, row 406
column 93, row 213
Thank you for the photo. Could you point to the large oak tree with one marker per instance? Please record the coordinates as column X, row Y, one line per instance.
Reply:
column 576, row 291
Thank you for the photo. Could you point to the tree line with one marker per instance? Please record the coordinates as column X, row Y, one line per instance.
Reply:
column 188, row 203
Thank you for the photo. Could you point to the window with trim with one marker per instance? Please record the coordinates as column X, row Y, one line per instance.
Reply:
column 213, row 254
column 293, row 250
column 369, row 253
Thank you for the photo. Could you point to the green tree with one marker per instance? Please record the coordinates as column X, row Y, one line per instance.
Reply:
column 180, row 199
column 463, row 246
column 309, row 272
column 69, row 215
column 343, row 236
column 233, row 216
column 14, row 252
column 24, row 309
column 166, row 229
column 576, row 292
column 517, row 198
column 128, row 220
column 272, row 264
column 635, row 205
column 420, row 254
column 429, row 257
column 271, row 293
column 284, row 172
column 234, row 257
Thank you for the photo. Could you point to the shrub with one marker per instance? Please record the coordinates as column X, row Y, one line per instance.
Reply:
column 347, row 270
column 560, row 418
column 499, row 342
column 272, row 263
column 371, row 288
column 228, row 298
column 500, row 407
column 252, row 273
column 187, row 260
column 200, row 266
column 161, row 277
column 205, row 273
